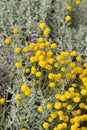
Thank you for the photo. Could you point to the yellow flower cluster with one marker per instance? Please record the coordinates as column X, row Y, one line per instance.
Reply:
column 68, row 18
column 44, row 27
column 27, row 91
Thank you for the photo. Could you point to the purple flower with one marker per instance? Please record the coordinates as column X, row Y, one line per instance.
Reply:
column 10, row 58
column 34, row 37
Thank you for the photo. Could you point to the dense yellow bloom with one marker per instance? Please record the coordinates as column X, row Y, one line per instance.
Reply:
column 53, row 115
column 76, row 99
column 53, row 45
column 26, row 49
column 18, row 96
column 33, row 70
column 60, row 57
column 8, row 41
column 40, row 40
column 45, row 125
column 40, row 109
column 57, row 105
column 41, row 45
column 78, row 2
column 32, row 46
column 63, row 69
column 49, row 106
column 32, row 59
column 46, row 31
column 18, row 64
column 68, row 18
column 50, row 119
column 42, row 25
column 51, row 76
column 56, row 65
column 17, row 50
column 23, row 129
column 48, row 67
column 47, row 44
column 16, row 31
column 73, row 53
column 28, row 92
column 27, row 70
column 38, row 74
column 78, row 58
column 2, row 101
column 52, row 84
column 69, row 107
column 24, row 88
column 69, row 7
column 50, row 54
column 42, row 63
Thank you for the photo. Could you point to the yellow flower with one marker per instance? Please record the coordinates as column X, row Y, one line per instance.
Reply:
column 45, row 125
column 55, row 128
column 40, row 39
column 23, row 129
column 48, row 67
column 24, row 88
column 56, row 65
column 69, row 107
column 52, row 84
column 46, row 31
column 42, row 25
column 41, row 45
column 26, row 49
column 18, row 64
column 53, row 45
column 78, row 58
column 17, row 50
column 38, row 74
column 40, row 109
column 63, row 69
column 19, row 104
column 76, row 99
column 50, row 119
column 8, row 41
column 27, row 70
column 18, row 96
column 33, row 70
column 2, row 101
column 51, row 76
column 73, row 53
column 57, row 105
column 50, row 53
column 28, row 92
column 69, row 7
column 32, row 59
column 16, row 31
column 78, row 2
column 53, row 115
column 49, row 106
column 47, row 44
column 68, row 18
column 60, row 58
column 42, row 63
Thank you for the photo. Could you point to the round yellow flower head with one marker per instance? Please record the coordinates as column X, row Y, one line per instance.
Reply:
column 24, row 88
column 40, row 109
column 68, row 18
column 18, row 96
column 28, row 92
column 27, row 70
column 46, row 31
column 45, row 125
column 23, row 129
column 42, row 25
column 40, row 39
column 49, row 106
column 52, row 84
column 16, row 31
column 38, row 74
column 78, row 58
column 57, row 105
column 8, row 41
column 69, row 7
column 19, row 104
column 17, row 50
column 25, row 49
column 18, row 65
column 78, row 2
column 2, row 101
